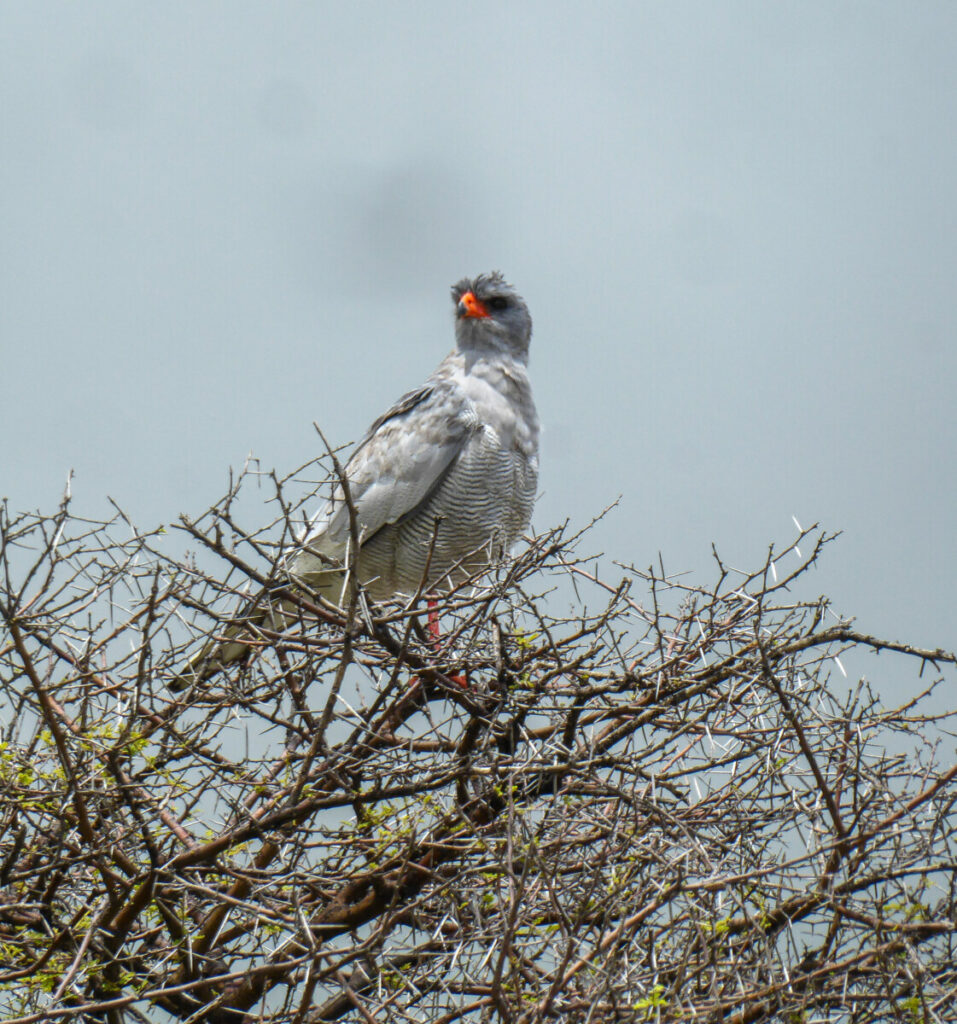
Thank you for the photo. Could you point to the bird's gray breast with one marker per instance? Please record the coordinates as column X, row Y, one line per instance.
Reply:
column 476, row 512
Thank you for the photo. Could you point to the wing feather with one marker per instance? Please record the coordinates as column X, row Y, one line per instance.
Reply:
column 402, row 459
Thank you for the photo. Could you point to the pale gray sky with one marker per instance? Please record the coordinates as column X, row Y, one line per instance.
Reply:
column 735, row 225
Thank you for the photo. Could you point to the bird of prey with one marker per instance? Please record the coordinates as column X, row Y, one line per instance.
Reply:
column 443, row 483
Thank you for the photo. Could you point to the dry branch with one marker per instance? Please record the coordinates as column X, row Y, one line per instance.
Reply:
column 655, row 800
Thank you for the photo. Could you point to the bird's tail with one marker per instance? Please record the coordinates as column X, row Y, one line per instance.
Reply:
column 235, row 644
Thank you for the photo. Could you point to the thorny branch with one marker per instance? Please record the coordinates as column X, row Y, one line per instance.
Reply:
column 654, row 801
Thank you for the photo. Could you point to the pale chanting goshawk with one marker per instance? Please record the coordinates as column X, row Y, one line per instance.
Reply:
column 443, row 483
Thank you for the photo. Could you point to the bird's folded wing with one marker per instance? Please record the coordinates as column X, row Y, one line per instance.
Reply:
column 397, row 466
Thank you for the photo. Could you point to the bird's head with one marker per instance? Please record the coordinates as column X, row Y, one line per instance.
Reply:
column 491, row 317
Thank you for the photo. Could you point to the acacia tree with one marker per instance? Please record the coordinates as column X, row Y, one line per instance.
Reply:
column 652, row 800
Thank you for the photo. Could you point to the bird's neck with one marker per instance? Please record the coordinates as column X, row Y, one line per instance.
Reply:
column 476, row 357
column 478, row 341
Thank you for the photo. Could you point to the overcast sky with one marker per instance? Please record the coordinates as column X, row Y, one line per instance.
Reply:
column 735, row 225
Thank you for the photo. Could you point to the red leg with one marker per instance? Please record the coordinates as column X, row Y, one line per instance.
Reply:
column 433, row 605
column 435, row 633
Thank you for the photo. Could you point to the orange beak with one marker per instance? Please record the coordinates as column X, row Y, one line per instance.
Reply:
column 469, row 305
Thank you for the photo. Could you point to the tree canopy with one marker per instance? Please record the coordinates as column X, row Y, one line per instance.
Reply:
column 601, row 795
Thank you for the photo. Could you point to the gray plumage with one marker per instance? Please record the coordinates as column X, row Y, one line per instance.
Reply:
column 456, row 459
column 443, row 483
